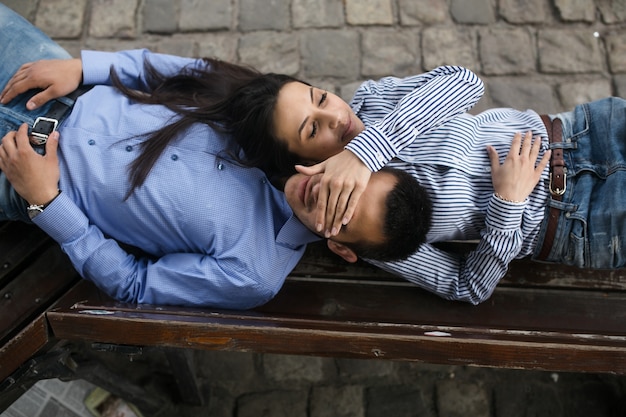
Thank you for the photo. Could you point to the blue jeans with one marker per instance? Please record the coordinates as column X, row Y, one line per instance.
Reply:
column 21, row 43
column 591, row 230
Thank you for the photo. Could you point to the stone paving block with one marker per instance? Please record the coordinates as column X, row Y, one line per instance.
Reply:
column 218, row 45
column 160, row 16
column 346, row 91
column 569, row 51
column 524, row 11
column 522, row 94
column 543, row 400
column 389, row 52
column 507, row 51
column 426, row 12
column 461, row 399
column 399, row 400
column 337, row 401
column 273, row 404
column 230, row 366
column 472, row 11
column 270, row 52
column 448, row 46
column 579, row 92
column 264, row 15
column 576, row 10
column 317, row 13
column 364, row 369
column 616, row 49
column 61, row 18
column 202, row 15
column 304, row 369
column 612, row 11
column 25, row 8
column 620, row 85
column 113, row 18
column 177, row 45
column 331, row 53
column 369, row 12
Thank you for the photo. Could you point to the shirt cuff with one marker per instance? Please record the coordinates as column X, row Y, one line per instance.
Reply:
column 504, row 215
column 97, row 66
column 62, row 220
column 373, row 148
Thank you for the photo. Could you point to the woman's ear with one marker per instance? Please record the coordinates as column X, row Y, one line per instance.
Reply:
column 342, row 250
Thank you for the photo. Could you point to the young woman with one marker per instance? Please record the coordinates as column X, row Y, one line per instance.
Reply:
column 487, row 183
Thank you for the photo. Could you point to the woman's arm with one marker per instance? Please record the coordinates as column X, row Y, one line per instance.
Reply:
column 407, row 107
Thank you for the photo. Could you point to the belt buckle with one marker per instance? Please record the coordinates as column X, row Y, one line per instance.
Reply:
column 558, row 191
column 39, row 134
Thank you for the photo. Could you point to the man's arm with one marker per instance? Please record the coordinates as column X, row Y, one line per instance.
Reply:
column 194, row 279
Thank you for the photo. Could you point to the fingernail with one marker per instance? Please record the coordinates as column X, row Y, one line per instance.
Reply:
column 318, row 227
column 334, row 231
column 345, row 221
column 30, row 105
column 327, row 234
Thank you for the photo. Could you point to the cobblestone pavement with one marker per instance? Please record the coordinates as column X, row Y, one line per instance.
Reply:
column 544, row 54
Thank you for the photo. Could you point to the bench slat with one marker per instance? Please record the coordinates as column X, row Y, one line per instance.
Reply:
column 319, row 261
column 520, row 328
column 32, row 291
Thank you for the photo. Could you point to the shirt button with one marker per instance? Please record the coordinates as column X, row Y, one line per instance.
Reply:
column 174, row 157
column 380, row 157
column 91, row 142
column 129, row 148
column 220, row 166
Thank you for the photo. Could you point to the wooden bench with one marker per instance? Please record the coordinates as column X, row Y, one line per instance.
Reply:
column 542, row 317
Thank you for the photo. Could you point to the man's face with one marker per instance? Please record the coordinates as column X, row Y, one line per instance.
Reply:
column 302, row 192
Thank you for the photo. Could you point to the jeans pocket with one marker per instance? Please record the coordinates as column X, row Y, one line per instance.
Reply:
column 577, row 253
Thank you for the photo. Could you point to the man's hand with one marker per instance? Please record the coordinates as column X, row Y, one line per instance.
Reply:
column 34, row 177
column 516, row 178
column 56, row 77
column 345, row 178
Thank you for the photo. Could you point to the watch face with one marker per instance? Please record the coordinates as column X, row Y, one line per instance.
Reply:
column 33, row 211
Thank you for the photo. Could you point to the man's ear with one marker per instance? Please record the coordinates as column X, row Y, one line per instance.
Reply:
column 342, row 250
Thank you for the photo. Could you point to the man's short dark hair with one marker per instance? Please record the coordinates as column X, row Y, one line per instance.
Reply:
column 408, row 212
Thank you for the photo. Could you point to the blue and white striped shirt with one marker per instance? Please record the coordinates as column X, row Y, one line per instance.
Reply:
column 419, row 124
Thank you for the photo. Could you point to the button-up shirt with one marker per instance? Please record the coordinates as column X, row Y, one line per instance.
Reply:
column 419, row 124
column 214, row 233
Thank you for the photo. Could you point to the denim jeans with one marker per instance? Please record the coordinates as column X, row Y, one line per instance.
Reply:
column 591, row 230
column 21, row 42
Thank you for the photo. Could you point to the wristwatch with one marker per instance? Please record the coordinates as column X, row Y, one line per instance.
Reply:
column 35, row 209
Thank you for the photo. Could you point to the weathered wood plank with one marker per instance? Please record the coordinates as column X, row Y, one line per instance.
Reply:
column 38, row 285
column 23, row 346
column 518, row 329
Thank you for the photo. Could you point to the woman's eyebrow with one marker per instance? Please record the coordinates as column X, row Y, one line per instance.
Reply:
column 306, row 118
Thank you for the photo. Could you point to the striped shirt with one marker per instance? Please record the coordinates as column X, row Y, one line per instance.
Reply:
column 419, row 124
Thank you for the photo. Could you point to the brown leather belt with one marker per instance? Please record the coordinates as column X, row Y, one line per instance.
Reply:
column 557, row 182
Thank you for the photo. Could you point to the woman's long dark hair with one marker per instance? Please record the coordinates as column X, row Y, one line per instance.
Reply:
column 230, row 98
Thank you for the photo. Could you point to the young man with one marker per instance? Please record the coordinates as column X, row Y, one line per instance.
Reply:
column 213, row 232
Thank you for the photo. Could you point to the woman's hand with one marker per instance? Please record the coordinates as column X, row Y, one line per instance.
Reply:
column 345, row 178
column 516, row 178
column 34, row 177
column 55, row 77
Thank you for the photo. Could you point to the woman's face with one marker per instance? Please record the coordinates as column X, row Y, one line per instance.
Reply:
column 314, row 123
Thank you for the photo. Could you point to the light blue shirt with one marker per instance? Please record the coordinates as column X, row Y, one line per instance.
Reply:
column 418, row 124
column 217, row 234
